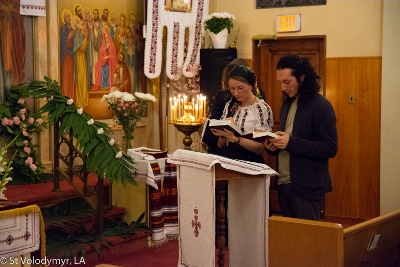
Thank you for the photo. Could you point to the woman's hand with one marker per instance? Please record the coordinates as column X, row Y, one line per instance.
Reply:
column 228, row 135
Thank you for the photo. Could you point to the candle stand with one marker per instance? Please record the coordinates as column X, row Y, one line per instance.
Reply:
column 187, row 116
column 187, row 130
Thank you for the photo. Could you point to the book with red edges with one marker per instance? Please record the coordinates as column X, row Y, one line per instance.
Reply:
column 262, row 136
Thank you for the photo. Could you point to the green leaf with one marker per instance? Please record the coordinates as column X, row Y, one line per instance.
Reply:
column 108, row 156
column 92, row 144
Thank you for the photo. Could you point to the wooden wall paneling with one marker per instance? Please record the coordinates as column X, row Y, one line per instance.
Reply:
column 344, row 167
column 355, row 169
column 370, row 121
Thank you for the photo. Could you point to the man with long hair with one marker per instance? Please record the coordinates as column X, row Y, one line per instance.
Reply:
column 307, row 138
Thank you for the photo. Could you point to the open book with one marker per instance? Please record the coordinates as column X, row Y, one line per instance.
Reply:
column 262, row 136
column 225, row 124
column 209, row 138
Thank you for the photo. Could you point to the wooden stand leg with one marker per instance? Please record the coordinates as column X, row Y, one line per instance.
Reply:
column 221, row 212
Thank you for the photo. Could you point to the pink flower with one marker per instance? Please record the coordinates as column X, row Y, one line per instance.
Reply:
column 125, row 114
column 27, row 150
column 24, row 132
column 16, row 120
column 23, row 111
column 21, row 101
column 29, row 161
column 33, row 167
column 39, row 120
column 31, row 120
column 26, row 142
column 7, row 121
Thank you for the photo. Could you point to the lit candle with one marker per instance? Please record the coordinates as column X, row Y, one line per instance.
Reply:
column 183, row 105
column 202, row 105
column 197, row 106
column 192, row 112
column 174, row 105
column 179, row 106
column 182, row 109
column 196, row 111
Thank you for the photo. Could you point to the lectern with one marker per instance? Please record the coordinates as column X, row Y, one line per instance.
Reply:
column 248, row 187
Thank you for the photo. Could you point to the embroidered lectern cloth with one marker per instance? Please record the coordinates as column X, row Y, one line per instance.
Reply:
column 248, row 238
column 21, row 231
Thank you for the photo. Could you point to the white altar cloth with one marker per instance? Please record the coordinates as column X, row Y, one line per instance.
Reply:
column 248, row 210
column 21, row 231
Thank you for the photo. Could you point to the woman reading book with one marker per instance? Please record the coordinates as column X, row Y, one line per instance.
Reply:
column 248, row 112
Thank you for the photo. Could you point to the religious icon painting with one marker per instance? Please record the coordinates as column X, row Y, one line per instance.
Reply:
column 101, row 47
column 178, row 5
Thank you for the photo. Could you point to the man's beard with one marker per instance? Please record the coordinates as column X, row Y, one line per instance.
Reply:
column 104, row 17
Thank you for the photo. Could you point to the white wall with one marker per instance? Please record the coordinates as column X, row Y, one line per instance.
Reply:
column 353, row 28
column 390, row 114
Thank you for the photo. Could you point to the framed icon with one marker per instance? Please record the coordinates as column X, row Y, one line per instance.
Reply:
column 178, row 5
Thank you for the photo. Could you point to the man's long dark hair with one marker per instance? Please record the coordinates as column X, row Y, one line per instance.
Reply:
column 301, row 66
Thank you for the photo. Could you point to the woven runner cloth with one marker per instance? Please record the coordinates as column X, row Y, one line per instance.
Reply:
column 161, row 178
column 248, row 210
column 21, row 231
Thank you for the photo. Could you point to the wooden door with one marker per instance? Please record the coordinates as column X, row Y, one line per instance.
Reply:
column 266, row 54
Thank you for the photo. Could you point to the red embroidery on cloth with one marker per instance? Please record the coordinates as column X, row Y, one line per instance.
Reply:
column 174, row 56
column 197, row 35
column 154, row 34
column 33, row 7
column 195, row 223
column 10, row 239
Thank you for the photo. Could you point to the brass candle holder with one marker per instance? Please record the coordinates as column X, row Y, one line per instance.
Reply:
column 187, row 116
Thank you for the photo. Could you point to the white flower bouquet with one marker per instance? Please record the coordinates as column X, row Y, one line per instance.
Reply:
column 128, row 109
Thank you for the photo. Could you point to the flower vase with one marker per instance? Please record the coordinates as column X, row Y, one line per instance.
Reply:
column 219, row 39
column 127, row 141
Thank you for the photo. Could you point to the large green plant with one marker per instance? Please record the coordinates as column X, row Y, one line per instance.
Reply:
column 103, row 156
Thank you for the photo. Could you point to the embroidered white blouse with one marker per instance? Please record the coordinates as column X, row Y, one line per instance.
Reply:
column 257, row 116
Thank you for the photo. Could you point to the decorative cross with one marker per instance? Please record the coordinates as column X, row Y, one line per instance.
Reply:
column 195, row 223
